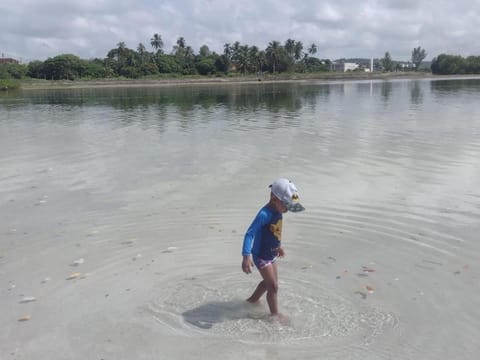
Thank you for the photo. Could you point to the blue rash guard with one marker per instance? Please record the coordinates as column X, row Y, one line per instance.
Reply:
column 263, row 237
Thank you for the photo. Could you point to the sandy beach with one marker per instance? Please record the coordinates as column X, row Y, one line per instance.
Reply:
column 282, row 78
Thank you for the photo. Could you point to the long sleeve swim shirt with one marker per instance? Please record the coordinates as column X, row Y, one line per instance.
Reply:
column 263, row 237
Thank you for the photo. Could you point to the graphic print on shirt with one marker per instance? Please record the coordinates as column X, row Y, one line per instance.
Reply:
column 276, row 229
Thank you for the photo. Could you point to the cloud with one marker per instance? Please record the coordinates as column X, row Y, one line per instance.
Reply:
column 34, row 29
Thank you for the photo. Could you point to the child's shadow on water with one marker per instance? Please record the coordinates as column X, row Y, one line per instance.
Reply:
column 206, row 315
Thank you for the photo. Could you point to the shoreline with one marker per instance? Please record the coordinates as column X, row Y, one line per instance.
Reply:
column 37, row 84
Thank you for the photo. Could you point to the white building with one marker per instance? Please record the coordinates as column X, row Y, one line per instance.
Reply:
column 349, row 66
column 344, row 66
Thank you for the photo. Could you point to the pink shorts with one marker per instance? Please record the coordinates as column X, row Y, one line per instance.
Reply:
column 261, row 263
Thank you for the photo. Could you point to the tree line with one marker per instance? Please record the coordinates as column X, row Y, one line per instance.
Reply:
column 235, row 59
column 122, row 61
column 454, row 64
column 418, row 55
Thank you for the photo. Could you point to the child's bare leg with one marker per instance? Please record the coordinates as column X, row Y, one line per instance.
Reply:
column 269, row 275
column 258, row 293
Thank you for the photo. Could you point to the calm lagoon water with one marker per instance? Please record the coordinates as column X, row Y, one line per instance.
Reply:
column 144, row 194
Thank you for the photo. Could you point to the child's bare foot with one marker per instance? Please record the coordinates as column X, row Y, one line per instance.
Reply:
column 253, row 302
column 282, row 319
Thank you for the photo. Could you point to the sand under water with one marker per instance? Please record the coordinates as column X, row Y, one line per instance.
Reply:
column 121, row 226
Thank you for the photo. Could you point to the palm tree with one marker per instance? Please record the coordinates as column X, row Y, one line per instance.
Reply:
column 298, row 50
column 312, row 50
column 227, row 50
column 272, row 51
column 141, row 49
column 253, row 58
column 261, row 59
column 242, row 58
column 181, row 42
column 290, row 47
column 189, row 52
column 121, row 53
column 235, row 48
column 156, row 42
column 142, row 53
column 227, row 53
column 179, row 48
column 188, row 59
column 130, row 57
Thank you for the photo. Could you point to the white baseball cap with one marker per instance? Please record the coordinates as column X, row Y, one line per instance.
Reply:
column 287, row 192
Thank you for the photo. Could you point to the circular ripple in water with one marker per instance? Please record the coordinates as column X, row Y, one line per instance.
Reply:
column 213, row 305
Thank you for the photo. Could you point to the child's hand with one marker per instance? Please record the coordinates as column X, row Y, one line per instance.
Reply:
column 247, row 264
column 280, row 252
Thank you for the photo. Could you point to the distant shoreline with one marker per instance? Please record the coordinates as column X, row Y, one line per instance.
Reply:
column 35, row 84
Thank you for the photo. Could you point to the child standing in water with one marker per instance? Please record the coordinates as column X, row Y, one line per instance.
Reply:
column 262, row 241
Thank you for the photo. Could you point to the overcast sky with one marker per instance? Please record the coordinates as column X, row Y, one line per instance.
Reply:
column 38, row 29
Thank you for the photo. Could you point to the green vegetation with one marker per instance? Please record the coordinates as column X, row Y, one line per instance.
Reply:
column 123, row 62
column 418, row 55
column 454, row 64
column 13, row 71
column 8, row 84
column 387, row 62
column 288, row 59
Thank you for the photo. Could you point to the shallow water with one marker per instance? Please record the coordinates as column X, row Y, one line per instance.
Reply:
column 144, row 195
